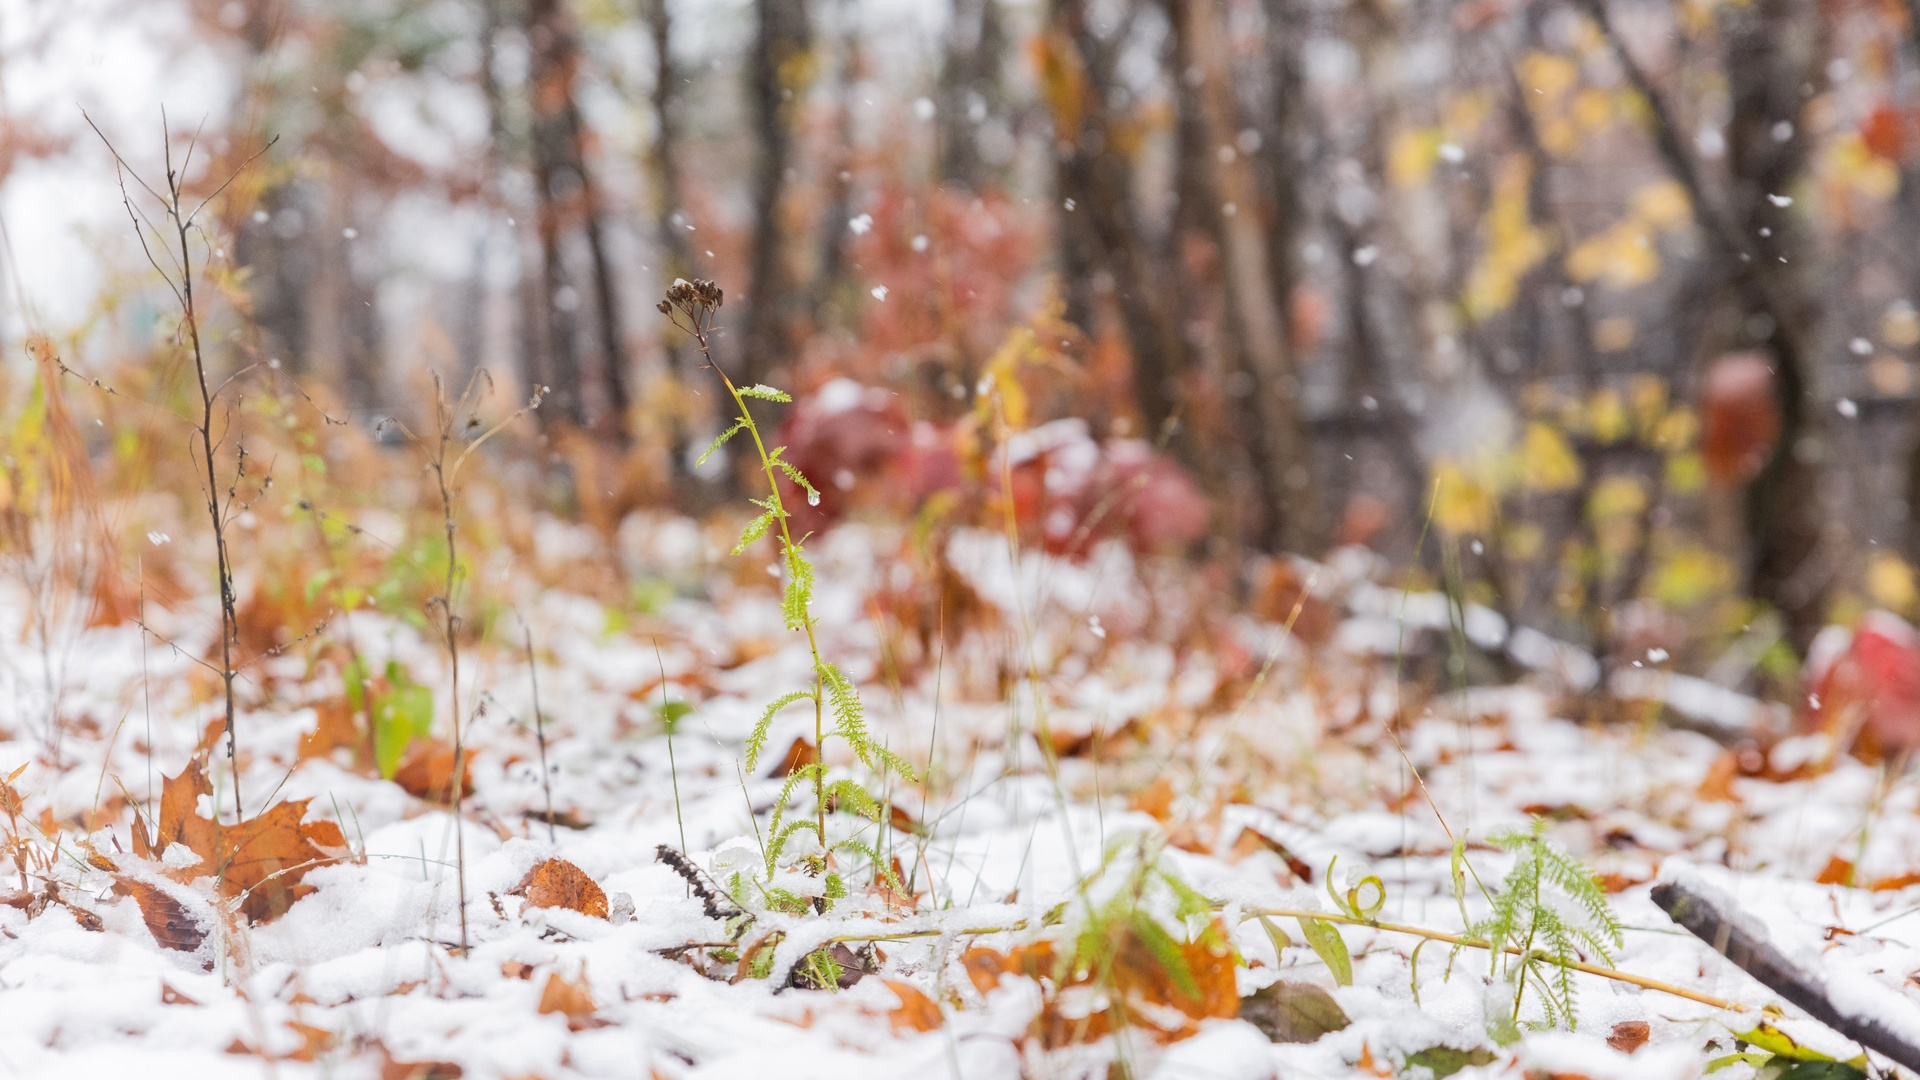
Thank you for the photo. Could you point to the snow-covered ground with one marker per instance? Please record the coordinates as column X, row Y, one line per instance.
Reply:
column 1166, row 747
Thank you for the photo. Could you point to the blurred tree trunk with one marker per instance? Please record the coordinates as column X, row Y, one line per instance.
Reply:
column 1099, row 235
column 969, row 90
column 1773, row 49
column 670, row 224
column 1257, row 291
column 777, row 72
column 569, row 202
column 830, row 268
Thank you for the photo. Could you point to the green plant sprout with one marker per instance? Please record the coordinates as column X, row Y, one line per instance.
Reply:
column 691, row 307
column 1530, row 932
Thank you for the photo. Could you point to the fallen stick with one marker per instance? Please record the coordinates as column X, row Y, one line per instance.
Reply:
column 1713, row 917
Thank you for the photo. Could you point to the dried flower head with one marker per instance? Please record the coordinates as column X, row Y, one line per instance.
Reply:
column 697, row 300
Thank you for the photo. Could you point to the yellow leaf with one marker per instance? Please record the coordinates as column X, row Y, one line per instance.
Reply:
column 1676, row 430
column 1607, row 416
column 1617, row 496
column 1412, row 156
column 1691, row 575
column 1547, row 463
column 1662, row 205
column 1890, row 581
column 1851, row 163
column 1512, row 244
column 1547, row 75
column 1461, row 503
column 1686, row 473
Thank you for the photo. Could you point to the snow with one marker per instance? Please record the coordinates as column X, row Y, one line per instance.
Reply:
column 369, row 956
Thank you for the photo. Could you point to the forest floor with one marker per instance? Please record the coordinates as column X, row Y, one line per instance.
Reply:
column 1085, row 733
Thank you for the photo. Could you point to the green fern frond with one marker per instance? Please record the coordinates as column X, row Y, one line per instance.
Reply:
column 757, row 741
column 755, row 529
column 720, row 441
column 764, row 393
column 854, row 798
column 797, row 600
column 794, row 474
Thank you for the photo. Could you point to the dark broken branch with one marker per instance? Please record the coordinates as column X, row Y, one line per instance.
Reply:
column 1714, row 919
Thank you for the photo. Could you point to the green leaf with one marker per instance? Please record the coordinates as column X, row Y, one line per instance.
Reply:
column 1275, row 935
column 401, row 715
column 854, row 799
column 1443, row 1061
column 1330, row 948
column 764, row 393
column 1293, row 1012
column 671, row 713
column 1727, row 1060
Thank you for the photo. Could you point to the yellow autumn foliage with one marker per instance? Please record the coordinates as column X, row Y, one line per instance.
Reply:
column 1547, row 463
column 1512, row 244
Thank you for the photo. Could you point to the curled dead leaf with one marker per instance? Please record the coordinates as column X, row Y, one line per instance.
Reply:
column 167, row 919
column 557, row 883
column 572, row 998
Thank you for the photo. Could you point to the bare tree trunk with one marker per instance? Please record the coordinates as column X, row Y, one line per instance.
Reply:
column 569, row 201
column 830, row 268
column 1099, row 233
column 970, row 89
column 776, row 77
column 670, row 224
column 1281, row 452
column 1773, row 49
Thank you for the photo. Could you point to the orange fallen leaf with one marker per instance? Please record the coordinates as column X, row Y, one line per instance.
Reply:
column 1896, row 882
column 917, row 1011
column 798, row 756
column 1838, row 871
column 170, row 996
column 557, row 883
column 260, row 861
column 573, row 999
column 1156, row 801
column 427, row 771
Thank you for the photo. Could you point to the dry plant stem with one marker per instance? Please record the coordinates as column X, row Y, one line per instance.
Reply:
column 454, row 785
column 786, row 540
column 1397, row 928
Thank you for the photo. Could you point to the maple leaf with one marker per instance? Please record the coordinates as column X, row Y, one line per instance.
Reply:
column 259, row 861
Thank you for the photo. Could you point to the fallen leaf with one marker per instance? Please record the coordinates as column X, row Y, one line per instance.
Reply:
column 799, row 755
column 917, row 1011
column 168, row 920
column 1838, row 871
column 1293, row 1012
column 1629, row 1035
column 170, row 996
column 557, row 883
column 314, row 1041
column 572, row 999
column 259, row 861
column 427, row 771
column 1896, row 882
column 1156, row 801
column 1251, row 840
column 1443, row 1061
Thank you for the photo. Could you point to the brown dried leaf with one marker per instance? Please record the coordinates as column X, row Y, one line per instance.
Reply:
column 1293, row 1012
column 557, row 883
column 260, row 860
column 170, row 996
column 168, row 920
column 799, row 755
column 1629, row 1035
